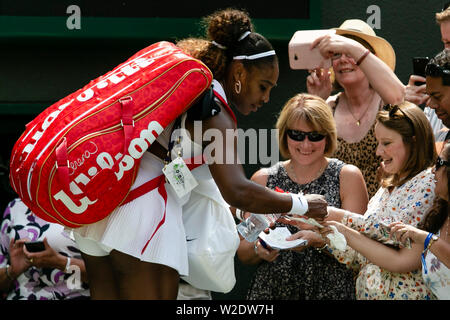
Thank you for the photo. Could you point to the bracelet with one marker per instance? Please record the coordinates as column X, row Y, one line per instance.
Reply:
column 362, row 57
column 239, row 213
column 323, row 247
column 429, row 240
column 66, row 269
column 255, row 247
column 8, row 275
column 299, row 204
column 426, row 243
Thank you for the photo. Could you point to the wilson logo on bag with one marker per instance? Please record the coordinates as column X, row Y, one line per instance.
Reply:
column 77, row 160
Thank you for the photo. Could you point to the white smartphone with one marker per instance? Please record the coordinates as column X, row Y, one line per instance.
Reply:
column 301, row 57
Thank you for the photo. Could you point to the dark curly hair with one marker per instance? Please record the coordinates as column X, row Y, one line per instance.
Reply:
column 223, row 31
column 435, row 219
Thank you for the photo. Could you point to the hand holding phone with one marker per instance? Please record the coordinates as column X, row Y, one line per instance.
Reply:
column 419, row 65
column 301, row 56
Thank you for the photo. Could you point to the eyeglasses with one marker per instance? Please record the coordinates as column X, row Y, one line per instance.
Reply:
column 392, row 109
column 301, row 135
column 440, row 163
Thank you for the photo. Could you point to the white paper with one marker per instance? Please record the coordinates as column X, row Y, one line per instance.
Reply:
column 276, row 239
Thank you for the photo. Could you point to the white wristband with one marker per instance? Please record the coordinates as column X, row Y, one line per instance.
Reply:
column 299, row 204
column 66, row 270
column 239, row 213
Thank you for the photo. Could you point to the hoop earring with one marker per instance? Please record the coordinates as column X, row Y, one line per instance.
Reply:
column 237, row 87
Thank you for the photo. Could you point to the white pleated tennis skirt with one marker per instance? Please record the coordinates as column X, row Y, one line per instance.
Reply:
column 129, row 227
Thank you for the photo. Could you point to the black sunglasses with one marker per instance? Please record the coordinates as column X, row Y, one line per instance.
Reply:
column 301, row 135
column 392, row 109
column 440, row 163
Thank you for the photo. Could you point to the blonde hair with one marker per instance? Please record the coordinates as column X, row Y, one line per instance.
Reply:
column 416, row 134
column 316, row 112
column 443, row 16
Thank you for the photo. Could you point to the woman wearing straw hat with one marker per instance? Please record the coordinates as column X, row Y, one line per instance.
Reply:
column 363, row 70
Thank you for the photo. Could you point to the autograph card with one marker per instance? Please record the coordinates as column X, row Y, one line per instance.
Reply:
column 276, row 239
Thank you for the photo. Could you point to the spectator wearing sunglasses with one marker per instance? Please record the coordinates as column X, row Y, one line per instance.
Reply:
column 417, row 93
column 406, row 146
column 429, row 247
column 363, row 68
column 307, row 137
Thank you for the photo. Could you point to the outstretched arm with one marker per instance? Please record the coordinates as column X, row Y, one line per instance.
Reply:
column 440, row 248
column 394, row 260
column 236, row 189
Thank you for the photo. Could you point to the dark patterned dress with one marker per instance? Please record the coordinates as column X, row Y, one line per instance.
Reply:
column 310, row 274
column 361, row 154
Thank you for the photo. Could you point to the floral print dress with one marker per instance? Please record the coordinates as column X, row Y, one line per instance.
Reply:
column 39, row 283
column 408, row 203
column 437, row 276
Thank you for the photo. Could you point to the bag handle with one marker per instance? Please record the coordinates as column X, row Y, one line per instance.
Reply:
column 62, row 160
column 127, row 121
column 62, row 165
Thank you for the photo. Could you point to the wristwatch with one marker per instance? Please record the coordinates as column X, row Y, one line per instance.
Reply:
column 432, row 240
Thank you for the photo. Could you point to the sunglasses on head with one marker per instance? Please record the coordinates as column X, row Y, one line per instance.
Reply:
column 440, row 163
column 392, row 109
column 434, row 70
column 301, row 135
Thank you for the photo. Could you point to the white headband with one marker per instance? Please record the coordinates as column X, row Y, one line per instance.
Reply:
column 256, row 56
column 218, row 45
column 244, row 35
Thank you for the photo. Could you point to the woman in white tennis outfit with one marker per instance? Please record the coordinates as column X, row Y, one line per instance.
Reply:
column 139, row 250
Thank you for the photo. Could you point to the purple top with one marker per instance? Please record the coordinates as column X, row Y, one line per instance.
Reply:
column 40, row 283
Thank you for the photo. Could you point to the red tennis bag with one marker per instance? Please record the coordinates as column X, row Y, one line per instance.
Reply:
column 77, row 160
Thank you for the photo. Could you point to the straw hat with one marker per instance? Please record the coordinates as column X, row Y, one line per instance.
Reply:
column 360, row 29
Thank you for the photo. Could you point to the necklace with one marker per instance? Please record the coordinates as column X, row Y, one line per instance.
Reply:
column 319, row 173
column 358, row 121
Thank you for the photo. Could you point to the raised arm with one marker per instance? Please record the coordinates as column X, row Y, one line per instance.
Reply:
column 382, row 79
